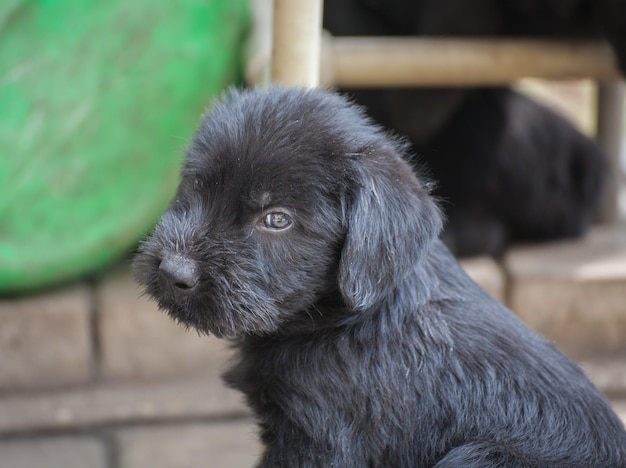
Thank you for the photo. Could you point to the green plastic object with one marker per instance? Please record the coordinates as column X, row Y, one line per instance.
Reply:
column 98, row 99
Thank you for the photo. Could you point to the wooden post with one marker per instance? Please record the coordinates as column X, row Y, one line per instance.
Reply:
column 610, row 132
column 297, row 31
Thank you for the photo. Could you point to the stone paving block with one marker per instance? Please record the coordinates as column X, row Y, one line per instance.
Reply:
column 62, row 452
column 608, row 374
column 574, row 292
column 223, row 445
column 619, row 407
column 45, row 340
column 487, row 273
column 139, row 341
column 118, row 404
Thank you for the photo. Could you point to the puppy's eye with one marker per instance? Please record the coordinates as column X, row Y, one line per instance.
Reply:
column 277, row 221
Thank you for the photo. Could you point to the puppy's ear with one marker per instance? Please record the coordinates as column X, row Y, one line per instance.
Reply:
column 391, row 223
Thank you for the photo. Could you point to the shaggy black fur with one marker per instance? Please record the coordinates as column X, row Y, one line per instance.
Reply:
column 527, row 174
column 506, row 168
column 300, row 232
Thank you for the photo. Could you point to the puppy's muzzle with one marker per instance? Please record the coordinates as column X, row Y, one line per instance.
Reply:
column 179, row 274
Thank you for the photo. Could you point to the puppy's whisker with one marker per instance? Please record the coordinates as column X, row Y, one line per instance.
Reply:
column 231, row 322
column 310, row 316
column 317, row 309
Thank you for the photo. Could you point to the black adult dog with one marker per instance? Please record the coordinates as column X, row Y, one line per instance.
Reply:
column 300, row 232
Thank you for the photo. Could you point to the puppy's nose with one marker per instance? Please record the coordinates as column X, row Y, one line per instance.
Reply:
column 179, row 271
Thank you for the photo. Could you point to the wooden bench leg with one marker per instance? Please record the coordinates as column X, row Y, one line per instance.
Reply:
column 610, row 131
column 297, row 31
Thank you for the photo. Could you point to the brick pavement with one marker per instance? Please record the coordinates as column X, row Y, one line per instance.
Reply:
column 92, row 375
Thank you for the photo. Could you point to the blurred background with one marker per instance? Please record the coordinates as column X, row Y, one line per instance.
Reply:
column 97, row 102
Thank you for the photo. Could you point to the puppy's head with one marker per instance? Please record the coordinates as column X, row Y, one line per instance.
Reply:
column 288, row 197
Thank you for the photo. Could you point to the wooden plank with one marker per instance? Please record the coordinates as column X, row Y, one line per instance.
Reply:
column 402, row 61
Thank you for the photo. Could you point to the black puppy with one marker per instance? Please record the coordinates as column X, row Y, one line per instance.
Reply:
column 525, row 173
column 300, row 232
column 507, row 168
